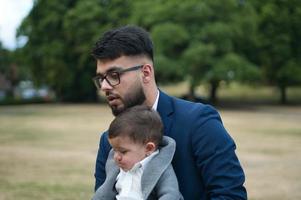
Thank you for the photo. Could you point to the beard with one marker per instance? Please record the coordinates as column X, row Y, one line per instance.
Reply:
column 136, row 97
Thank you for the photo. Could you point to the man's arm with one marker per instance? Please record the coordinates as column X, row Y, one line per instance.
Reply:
column 220, row 169
column 102, row 155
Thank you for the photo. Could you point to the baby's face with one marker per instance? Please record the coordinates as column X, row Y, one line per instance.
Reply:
column 126, row 152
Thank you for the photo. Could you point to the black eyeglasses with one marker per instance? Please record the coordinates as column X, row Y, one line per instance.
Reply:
column 113, row 77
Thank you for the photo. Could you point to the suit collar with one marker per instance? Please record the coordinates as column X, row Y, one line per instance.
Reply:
column 165, row 109
column 165, row 106
column 157, row 166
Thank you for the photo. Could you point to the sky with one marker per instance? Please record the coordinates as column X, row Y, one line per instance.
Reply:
column 12, row 13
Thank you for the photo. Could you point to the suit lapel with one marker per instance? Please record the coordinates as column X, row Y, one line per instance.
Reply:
column 165, row 109
column 157, row 166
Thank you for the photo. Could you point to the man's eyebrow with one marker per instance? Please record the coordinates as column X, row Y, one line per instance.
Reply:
column 112, row 69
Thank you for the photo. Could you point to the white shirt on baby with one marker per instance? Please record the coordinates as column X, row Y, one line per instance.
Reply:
column 128, row 183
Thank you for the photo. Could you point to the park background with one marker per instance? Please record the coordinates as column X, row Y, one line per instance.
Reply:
column 244, row 57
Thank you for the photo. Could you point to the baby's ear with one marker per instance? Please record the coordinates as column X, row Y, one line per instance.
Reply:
column 150, row 147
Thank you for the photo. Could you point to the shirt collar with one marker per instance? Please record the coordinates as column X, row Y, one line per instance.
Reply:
column 155, row 106
column 148, row 158
column 142, row 164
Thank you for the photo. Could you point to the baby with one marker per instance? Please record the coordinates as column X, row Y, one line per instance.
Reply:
column 139, row 165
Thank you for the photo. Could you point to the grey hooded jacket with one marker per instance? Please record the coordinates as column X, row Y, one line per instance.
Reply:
column 158, row 179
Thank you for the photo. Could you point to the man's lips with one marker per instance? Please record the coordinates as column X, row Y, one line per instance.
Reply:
column 112, row 99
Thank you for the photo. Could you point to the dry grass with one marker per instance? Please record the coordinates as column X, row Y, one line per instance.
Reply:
column 269, row 146
column 48, row 151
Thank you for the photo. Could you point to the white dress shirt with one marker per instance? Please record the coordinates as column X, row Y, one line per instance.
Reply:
column 128, row 183
column 156, row 101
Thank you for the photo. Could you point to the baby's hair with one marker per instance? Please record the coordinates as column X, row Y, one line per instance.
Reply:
column 140, row 123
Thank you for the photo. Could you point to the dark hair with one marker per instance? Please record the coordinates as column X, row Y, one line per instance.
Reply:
column 140, row 123
column 123, row 41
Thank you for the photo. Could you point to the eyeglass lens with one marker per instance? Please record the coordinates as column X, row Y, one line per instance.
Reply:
column 113, row 78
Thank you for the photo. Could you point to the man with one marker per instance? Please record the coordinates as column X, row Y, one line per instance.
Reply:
column 205, row 161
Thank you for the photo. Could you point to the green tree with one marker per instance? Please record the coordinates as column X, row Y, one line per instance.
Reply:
column 168, row 50
column 201, row 39
column 279, row 43
column 46, row 53
column 60, row 37
column 9, row 69
column 4, row 59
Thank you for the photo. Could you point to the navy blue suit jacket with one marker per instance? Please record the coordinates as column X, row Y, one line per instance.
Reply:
column 205, row 161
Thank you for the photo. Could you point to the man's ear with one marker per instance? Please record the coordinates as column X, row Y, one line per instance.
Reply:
column 147, row 71
column 150, row 147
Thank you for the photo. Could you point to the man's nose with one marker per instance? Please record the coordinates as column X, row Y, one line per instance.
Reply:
column 105, row 85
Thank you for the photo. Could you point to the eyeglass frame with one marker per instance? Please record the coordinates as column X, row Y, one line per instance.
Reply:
column 98, row 79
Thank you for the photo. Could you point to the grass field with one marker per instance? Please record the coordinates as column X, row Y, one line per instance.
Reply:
column 48, row 151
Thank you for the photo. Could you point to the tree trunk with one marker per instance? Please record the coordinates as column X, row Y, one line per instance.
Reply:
column 13, row 77
column 213, row 91
column 283, row 95
column 191, row 94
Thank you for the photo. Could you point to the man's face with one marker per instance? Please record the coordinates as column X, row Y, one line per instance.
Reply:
column 126, row 152
column 129, row 91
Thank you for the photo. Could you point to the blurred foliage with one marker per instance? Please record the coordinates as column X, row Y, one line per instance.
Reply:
column 279, row 44
column 200, row 39
column 4, row 59
column 60, row 37
column 10, row 74
column 206, row 42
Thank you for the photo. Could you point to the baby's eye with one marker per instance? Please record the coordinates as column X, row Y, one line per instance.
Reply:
column 123, row 151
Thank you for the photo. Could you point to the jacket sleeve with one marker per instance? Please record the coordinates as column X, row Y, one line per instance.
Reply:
column 167, row 187
column 107, row 190
column 102, row 155
column 214, row 151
